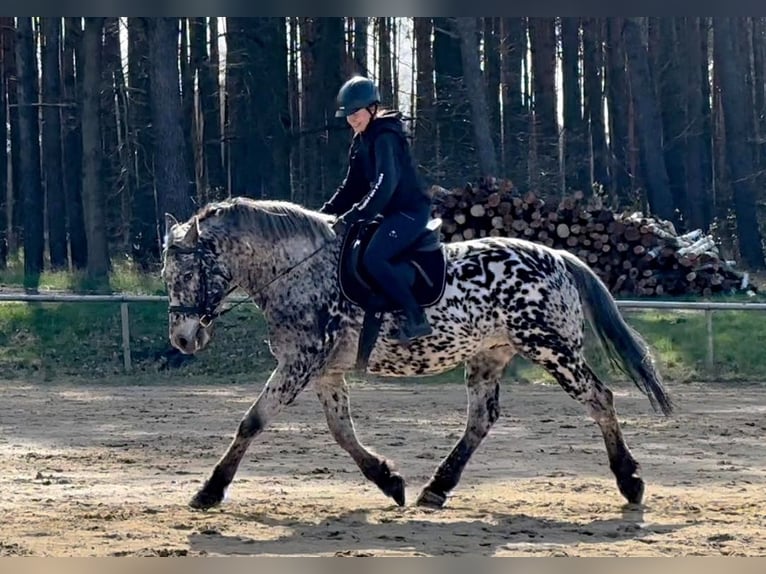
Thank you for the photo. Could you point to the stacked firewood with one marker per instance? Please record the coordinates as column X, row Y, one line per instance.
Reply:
column 633, row 254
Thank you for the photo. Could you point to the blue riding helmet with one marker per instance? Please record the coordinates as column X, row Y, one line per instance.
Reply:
column 357, row 93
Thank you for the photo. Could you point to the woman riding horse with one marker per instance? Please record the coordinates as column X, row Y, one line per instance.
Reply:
column 381, row 181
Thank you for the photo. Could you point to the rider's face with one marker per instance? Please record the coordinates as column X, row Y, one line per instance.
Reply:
column 359, row 120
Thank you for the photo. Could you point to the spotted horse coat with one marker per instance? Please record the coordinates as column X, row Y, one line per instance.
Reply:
column 503, row 296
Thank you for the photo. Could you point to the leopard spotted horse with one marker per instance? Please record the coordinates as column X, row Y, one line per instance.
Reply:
column 501, row 296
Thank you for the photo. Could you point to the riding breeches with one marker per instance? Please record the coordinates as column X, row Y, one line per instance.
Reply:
column 395, row 234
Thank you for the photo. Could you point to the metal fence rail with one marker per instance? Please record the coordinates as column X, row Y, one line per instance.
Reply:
column 708, row 307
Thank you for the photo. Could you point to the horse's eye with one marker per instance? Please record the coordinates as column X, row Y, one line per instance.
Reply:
column 188, row 276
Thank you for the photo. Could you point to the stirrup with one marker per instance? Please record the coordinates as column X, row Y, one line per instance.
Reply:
column 409, row 332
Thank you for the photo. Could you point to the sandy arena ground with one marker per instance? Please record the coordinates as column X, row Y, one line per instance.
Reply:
column 100, row 470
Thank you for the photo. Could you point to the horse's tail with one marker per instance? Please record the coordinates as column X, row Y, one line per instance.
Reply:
column 625, row 348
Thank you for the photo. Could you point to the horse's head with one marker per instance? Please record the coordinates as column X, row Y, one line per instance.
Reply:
column 196, row 281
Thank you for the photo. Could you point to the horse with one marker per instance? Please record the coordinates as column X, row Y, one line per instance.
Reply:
column 500, row 297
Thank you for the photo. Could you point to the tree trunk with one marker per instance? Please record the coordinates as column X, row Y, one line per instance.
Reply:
column 92, row 187
column 197, row 60
column 143, row 222
column 477, row 97
column 6, row 30
column 187, row 107
column 385, row 76
column 293, row 89
column 54, row 186
column 593, row 64
column 759, row 91
column 112, row 171
column 360, row 44
column 515, row 113
column 174, row 189
column 239, row 94
column 29, row 164
column 730, row 63
column 542, row 34
column 492, row 80
column 618, row 105
column 325, row 139
column 72, row 139
column 259, row 120
column 424, row 148
column 576, row 160
column 210, row 99
column 648, row 121
column 16, row 199
column 699, row 201
column 452, row 108
column 671, row 94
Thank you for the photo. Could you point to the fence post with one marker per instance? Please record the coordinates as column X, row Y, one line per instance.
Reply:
column 710, row 356
column 125, row 320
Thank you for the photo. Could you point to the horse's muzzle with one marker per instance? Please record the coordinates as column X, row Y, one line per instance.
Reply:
column 190, row 340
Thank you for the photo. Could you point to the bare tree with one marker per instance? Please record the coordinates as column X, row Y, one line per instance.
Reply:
column 360, row 44
column 670, row 89
column 542, row 34
column 515, row 112
column 477, row 96
column 93, row 186
column 71, row 66
column 491, row 35
column 385, row 63
column 143, row 217
column 171, row 176
column 618, row 103
column 112, row 111
column 29, row 164
column 210, row 98
column 593, row 65
column 730, row 65
column 576, row 160
column 425, row 105
column 648, row 120
column 695, row 104
column 456, row 140
column 6, row 29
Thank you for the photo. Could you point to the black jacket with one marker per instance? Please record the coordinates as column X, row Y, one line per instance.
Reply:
column 382, row 177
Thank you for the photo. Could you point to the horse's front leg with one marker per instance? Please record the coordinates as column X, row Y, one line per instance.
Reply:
column 332, row 391
column 283, row 386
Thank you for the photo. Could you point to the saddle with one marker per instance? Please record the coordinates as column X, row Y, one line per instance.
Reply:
column 423, row 266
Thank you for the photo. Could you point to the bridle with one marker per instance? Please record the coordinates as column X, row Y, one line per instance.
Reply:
column 203, row 308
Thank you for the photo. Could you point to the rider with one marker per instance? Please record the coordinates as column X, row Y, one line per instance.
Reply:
column 381, row 181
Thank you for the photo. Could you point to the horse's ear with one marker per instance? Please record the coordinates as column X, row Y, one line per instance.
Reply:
column 170, row 222
column 192, row 235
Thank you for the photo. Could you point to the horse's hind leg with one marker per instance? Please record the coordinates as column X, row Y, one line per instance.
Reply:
column 576, row 378
column 333, row 394
column 482, row 375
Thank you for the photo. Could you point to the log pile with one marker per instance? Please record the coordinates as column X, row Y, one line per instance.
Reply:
column 633, row 254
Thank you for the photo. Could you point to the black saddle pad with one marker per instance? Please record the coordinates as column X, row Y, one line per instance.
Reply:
column 424, row 266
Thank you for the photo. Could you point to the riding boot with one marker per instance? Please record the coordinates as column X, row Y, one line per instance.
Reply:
column 415, row 325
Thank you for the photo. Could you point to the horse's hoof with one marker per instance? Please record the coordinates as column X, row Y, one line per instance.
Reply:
column 394, row 488
column 632, row 488
column 430, row 499
column 204, row 500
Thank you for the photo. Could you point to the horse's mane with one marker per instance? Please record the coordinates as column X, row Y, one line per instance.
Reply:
column 271, row 219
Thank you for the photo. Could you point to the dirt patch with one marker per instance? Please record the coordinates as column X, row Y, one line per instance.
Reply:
column 100, row 470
